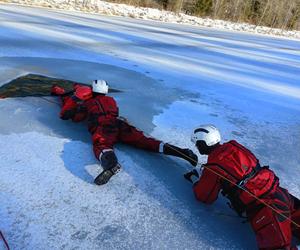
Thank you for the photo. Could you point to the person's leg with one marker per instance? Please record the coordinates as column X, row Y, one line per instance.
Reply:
column 103, row 142
column 132, row 136
column 273, row 228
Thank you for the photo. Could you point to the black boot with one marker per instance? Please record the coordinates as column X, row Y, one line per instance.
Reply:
column 183, row 153
column 110, row 165
column 105, row 175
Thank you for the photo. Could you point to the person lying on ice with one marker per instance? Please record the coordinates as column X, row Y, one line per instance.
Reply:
column 107, row 128
column 252, row 190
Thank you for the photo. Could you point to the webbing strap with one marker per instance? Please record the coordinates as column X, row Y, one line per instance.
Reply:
column 221, row 167
column 240, row 184
column 247, row 177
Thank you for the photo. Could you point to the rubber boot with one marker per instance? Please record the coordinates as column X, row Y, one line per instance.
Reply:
column 110, row 165
column 105, row 175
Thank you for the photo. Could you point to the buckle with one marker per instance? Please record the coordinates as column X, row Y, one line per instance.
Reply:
column 246, row 178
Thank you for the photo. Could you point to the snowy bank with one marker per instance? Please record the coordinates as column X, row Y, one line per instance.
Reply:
column 96, row 6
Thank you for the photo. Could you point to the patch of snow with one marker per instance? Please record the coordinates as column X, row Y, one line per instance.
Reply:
column 114, row 9
column 63, row 209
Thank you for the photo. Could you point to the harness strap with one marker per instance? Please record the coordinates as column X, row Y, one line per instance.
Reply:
column 93, row 119
column 247, row 177
column 100, row 107
column 221, row 167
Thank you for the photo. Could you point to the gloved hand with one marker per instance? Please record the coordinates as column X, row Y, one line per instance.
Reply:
column 191, row 157
column 56, row 90
column 68, row 114
column 194, row 175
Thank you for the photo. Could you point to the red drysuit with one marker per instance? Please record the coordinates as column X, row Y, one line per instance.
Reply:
column 104, row 124
column 238, row 165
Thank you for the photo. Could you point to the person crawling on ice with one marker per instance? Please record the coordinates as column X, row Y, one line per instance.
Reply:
column 107, row 128
column 234, row 170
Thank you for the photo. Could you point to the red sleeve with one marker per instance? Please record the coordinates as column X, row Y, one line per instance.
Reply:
column 68, row 109
column 208, row 187
column 81, row 113
column 72, row 110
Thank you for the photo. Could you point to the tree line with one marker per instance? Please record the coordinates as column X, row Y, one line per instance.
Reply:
column 283, row 14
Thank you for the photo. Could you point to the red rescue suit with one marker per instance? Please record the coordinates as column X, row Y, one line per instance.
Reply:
column 104, row 124
column 237, row 164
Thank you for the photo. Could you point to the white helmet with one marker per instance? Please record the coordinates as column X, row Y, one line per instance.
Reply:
column 208, row 133
column 100, row 86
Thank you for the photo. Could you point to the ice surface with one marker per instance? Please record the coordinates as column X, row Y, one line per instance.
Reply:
column 173, row 77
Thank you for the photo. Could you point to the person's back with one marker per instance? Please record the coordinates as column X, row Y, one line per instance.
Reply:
column 101, row 110
column 252, row 190
column 237, row 165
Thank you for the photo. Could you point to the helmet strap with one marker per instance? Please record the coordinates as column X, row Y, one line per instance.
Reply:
column 97, row 94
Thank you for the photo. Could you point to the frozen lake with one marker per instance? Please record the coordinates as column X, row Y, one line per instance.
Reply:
column 173, row 77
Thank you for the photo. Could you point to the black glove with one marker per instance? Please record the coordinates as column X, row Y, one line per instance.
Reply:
column 191, row 157
column 193, row 176
column 68, row 114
